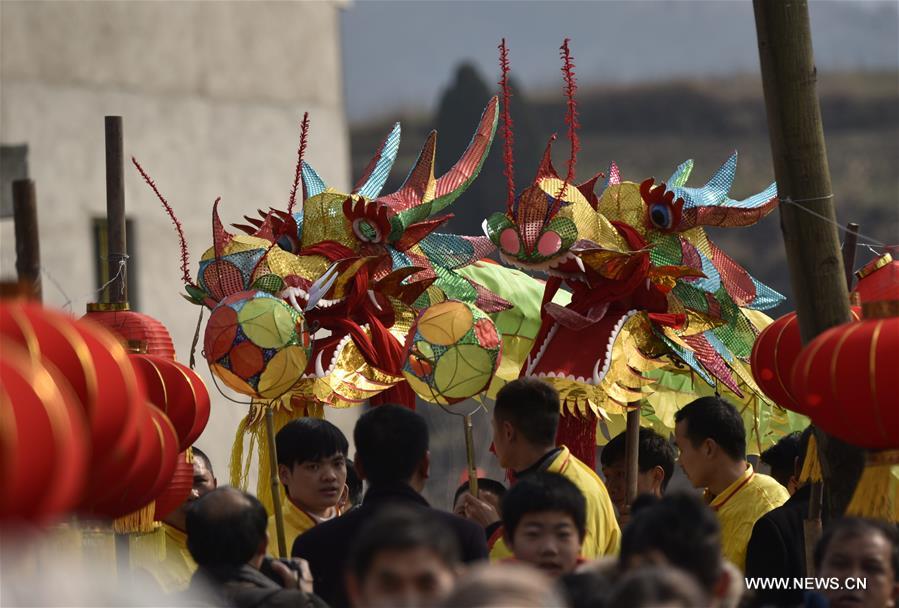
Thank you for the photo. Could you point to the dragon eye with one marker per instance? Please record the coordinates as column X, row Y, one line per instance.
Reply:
column 661, row 217
column 550, row 242
column 366, row 231
column 509, row 241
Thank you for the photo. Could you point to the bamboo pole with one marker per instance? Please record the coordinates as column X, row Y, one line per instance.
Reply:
column 808, row 218
column 28, row 249
column 116, row 256
column 631, row 454
column 275, row 482
column 469, row 455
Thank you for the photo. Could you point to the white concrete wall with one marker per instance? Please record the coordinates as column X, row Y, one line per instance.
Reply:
column 211, row 94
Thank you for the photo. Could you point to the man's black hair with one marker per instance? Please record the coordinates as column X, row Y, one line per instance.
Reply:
column 391, row 442
column 353, row 483
column 309, row 439
column 399, row 528
column 540, row 493
column 588, row 589
column 532, row 406
column 781, row 457
column 680, row 527
column 850, row 527
column 484, row 483
column 657, row 586
column 654, row 451
column 198, row 453
column 225, row 528
column 716, row 419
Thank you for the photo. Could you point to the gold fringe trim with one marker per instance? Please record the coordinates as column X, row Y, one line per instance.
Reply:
column 877, row 492
column 236, row 469
column 811, row 466
column 139, row 521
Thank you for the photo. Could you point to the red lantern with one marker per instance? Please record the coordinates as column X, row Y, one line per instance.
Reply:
column 151, row 470
column 773, row 354
column 846, row 378
column 43, row 439
column 178, row 488
column 99, row 372
column 133, row 327
column 173, row 388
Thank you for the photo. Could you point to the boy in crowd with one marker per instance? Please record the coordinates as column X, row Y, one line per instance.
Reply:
column 312, row 455
column 525, row 421
column 403, row 557
column 656, row 466
column 781, row 458
column 709, row 432
column 544, row 523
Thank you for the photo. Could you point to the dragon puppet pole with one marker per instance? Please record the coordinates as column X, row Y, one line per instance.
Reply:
column 631, row 452
column 469, row 454
column 803, row 185
column 273, row 471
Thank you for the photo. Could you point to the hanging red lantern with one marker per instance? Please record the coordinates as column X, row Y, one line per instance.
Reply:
column 773, row 354
column 846, row 377
column 133, row 327
column 99, row 372
column 43, row 438
column 151, row 468
column 171, row 389
column 178, row 488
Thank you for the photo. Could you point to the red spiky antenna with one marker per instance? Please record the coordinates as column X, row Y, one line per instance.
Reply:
column 571, row 113
column 185, row 254
column 508, row 156
column 301, row 151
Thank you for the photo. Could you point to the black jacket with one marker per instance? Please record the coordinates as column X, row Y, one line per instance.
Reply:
column 246, row 587
column 326, row 546
column 777, row 549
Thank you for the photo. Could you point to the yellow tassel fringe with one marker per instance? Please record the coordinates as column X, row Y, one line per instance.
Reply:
column 877, row 492
column 811, row 466
column 139, row 521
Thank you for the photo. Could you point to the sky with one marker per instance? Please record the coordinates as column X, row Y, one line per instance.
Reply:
column 399, row 55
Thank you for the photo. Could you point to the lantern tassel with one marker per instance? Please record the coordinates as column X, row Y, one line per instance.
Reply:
column 811, row 465
column 877, row 492
column 139, row 521
column 237, row 471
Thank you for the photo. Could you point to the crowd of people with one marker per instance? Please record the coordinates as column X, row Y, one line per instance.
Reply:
column 556, row 534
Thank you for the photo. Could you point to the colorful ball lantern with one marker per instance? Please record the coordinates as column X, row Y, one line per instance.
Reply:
column 133, row 327
column 846, row 379
column 257, row 344
column 773, row 354
column 452, row 352
column 43, row 439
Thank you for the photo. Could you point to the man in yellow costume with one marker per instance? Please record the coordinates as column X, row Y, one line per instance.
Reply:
column 712, row 441
column 312, row 456
column 163, row 553
column 525, row 421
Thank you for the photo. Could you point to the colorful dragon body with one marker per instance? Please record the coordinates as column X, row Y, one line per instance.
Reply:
column 648, row 286
column 358, row 266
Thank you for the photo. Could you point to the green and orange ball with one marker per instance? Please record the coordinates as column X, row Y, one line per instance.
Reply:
column 452, row 352
column 257, row 344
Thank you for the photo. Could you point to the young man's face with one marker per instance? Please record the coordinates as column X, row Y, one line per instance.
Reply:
column 693, row 459
column 315, row 485
column 647, row 483
column 864, row 556
column 404, row 578
column 548, row 540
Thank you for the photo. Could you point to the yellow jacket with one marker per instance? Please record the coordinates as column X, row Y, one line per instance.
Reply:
column 741, row 505
column 296, row 521
column 603, row 534
column 164, row 554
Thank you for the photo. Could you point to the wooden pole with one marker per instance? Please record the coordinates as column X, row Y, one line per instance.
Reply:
column 850, row 246
column 116, row 257
column 631, row 453
column 469, row 455
column 275, row 482
column 28, row 249
column 807, row 215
